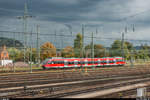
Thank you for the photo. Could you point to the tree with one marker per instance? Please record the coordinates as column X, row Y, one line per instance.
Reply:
column 47, row 50
column 68, row 52
column 98, row 50
column 78, row 45
column 116, row 48
column 15, row 54
column 129, row 45
column 145, row 51
column 34, row 54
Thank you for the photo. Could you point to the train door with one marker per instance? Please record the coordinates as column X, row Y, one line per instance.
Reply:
column 65, row 63
column 95, row 62
column 99, row 62
column 104, row 61
column 75, row 63
column 115, row 61
column 86, row 62
column 107, row 61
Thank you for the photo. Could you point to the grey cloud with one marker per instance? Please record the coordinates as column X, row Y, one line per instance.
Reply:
column 71, row 14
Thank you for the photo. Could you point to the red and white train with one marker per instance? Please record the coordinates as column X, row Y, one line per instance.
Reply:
column 84, row 62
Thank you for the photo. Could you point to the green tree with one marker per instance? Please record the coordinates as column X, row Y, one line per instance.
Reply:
column 145, row 51
column 99, row 50
column 78, row 45
column 33, row 52
column 129, row 45
column 15, row 54
column 115, row 49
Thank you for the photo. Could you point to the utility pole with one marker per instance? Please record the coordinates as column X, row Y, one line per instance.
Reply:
column 55, row 41
column 82, row 41
column 92, row 50
column 31, row 53
column 122, row 45
column 38, row 48
column 13, row 56
column 25, row 17
column 82, row 48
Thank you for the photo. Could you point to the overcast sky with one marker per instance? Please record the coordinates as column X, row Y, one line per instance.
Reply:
column 63, row 16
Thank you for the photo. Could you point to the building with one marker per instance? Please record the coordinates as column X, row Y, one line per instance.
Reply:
column 4, row 56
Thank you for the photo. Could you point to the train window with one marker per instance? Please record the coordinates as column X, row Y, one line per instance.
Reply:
column 79, row 62
column 95, row 62
column 62, row 62
column 119, row 60
column 52, row 62
column 59, row 62
column 104, row 61
column 76, row 62
column 70, row 62
column 82, row 62
column 85, row 62
column 98, row 62
column 90, row 62
column 65, row 62
column 45, row 61
column 111, row 61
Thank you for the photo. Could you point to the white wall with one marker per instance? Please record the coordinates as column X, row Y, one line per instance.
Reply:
column 5, row 62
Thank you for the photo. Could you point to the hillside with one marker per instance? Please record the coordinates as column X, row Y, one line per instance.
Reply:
column 10, row 42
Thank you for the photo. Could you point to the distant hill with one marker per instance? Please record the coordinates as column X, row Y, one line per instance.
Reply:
column 135, row 47
column 138, row 47
column 10, row 42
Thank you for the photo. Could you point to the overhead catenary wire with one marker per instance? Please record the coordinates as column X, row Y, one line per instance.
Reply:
column 61, row 35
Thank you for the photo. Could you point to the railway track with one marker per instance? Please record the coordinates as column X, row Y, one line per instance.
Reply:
column 45, row 80
column 68, row 69
column 60, row 88
column 112, row 91
column 50, row 73
column 126, row 94
column 48, row 77
column 51, row 78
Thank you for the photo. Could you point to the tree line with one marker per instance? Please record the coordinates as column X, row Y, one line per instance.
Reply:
column 117, row 48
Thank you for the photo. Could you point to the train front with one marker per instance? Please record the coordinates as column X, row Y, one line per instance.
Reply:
column 46, row 63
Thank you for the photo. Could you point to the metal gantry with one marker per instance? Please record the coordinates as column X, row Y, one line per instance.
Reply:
column 38, row 47
column 25, row 17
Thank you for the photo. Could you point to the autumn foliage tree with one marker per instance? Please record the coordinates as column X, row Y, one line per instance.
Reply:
column 68, row 52
column 47, row 50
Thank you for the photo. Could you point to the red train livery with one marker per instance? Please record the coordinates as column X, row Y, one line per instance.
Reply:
column 82, row 62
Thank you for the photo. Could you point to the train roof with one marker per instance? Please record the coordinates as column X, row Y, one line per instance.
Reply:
column 79, row 58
